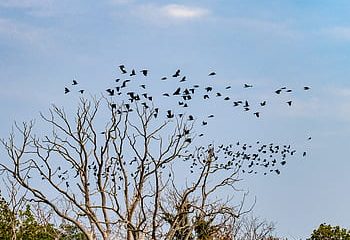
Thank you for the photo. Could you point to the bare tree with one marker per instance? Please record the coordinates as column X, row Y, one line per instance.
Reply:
column 133, row 178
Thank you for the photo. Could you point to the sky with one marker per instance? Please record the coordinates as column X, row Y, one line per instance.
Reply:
column 44, row 44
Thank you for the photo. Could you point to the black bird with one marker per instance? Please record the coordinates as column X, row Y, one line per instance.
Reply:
column 289, row 90
column 177, row 92
column 212, row 74
column 289, row 103
column 113, row 105
column 208, row 89
column 257, row 114
column 263, row 103
column 196, row 86
column 183, row 79
column 211, row 116
column 117, row 80
column 246, row 104
column 170, row 114
column 66, row 90
column 218, row 94
column 81, row 91
column 278, row 91
column 304, row 154
column 163, row 78
column 124, row 83
column 110, row 92
column 206, row 96
column 143, row 86
column 228, row 87
column 144, row 72
column 306, row 88
column 74, row 82
column 277, row 171
column 122, row 69
column 190, row 118
column 227, row 98
column 309, row 138
column 247, row 85
column 177, row 73
column 204, row 123
column 166, row 94
column 133, row 73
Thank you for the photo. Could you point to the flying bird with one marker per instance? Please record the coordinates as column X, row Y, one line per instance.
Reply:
column 212, row 74
column 247, row 85
column 66, row 90
column 74, row 82
column 144, row 72
column 122, row 69
column 289, row 103
column 133, row 73
column 306, row 88
column 81, row 91
column 177, row 73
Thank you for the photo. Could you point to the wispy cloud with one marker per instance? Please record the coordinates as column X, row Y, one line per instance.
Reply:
column 24, row 34
column 183, row 12
column 338, row 32
column 264, row 26
column 39, row 8
column 161, row 14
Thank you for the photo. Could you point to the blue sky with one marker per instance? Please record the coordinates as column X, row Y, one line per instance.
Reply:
column 46, row 43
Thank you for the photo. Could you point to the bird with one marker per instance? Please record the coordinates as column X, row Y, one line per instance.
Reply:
column 81, row 91
column 166, row 94
column 289, row 103
column 247, row 85
column 66, row 90
column 309, row 138
column 163, row 78
column 124, row 83
column 212, row 74
column 177, row 92
column 122, row 69
column 227, row 98
column 143, row 86
column 144, row 72
column 208, row 89
column 204, row 123
column 170, row 114
column 133, row 73
column 306, row 88
column 74, row 82
column 110, row 92
column 263, row 103
column 278, row 91
column 177, row 73
column 257, row 114
column 183, row 79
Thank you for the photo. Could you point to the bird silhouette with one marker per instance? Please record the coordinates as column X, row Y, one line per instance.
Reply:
column 110, row 92
column 74, row 82
column 247, row 85
column 177, row 73
column 122, row 69
column 289, row 103
column 144, row 72
column 81, row 91
column 278, row 91
column 66, row 90
column 306, row 88
column 133, row 73
column 212, row 74
column 169, row 114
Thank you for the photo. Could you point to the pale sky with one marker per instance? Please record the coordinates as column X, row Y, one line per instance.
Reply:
column 44, row 44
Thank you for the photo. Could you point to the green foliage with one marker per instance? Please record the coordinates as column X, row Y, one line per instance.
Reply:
column 24, row 226
column 328, row 232
column 7, row 220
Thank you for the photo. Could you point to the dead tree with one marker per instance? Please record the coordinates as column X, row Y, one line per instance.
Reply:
column 118, row 172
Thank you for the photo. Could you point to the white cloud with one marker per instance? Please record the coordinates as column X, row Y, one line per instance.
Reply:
column 183, row 12
column 169, row 13
column 338, row 32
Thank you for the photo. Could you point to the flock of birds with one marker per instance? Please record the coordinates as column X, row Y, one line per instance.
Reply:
column 246, row 157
